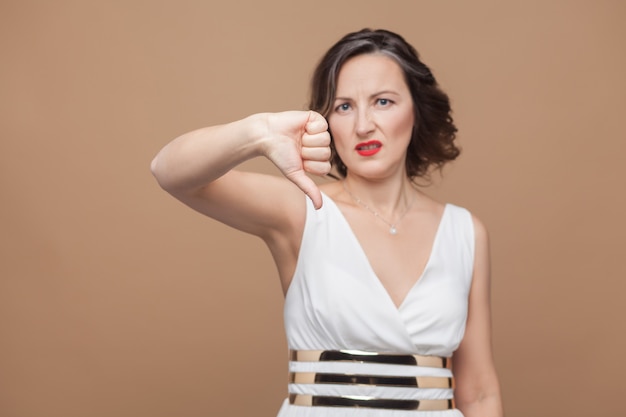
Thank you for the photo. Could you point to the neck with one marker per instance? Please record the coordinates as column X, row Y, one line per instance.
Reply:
column 388, row 197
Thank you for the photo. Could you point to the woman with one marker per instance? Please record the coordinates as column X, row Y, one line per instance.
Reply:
column 386, row 290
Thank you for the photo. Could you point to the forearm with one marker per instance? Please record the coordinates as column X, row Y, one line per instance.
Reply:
column 197, row 158
column 487, row 406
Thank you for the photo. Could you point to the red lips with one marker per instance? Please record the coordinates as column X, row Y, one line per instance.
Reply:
column 368, row 148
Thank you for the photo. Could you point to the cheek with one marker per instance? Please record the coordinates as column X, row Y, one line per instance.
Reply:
column 403, row 124
column 338, row 130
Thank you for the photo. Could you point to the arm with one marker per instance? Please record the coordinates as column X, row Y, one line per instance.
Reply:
column 197, row 169
column 477, row 391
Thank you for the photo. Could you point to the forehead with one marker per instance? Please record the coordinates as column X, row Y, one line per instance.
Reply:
column 370, row 72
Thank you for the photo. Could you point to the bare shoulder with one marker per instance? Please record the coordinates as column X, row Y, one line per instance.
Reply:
column 480, row 231
column 428, row 208
column 481, row 234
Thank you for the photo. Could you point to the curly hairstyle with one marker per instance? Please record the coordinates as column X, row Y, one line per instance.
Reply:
column 432, row 140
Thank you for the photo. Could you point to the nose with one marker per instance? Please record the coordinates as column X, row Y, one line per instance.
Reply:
column 364, row 123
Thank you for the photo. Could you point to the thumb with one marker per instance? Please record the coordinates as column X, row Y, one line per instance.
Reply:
column 309, row 187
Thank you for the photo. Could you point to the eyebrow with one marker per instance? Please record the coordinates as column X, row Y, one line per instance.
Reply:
column 379, row 93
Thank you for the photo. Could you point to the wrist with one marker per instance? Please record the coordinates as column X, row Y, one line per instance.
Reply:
column 257, row 131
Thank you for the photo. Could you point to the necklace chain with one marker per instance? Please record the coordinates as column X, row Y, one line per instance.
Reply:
column 392, row 226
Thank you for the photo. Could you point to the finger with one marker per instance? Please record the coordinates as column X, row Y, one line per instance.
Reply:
column 316, row 123
column 316, row 140
column 307, row 185
column 316, row 154
column 320, row 168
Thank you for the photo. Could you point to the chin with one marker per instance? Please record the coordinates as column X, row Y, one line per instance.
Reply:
column 375, row 170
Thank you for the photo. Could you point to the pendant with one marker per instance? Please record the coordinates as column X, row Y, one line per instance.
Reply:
column 393, row 230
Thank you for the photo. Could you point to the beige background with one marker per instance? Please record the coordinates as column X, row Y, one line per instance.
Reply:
column 115, row 300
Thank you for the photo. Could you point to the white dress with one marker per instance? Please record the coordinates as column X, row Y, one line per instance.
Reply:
column 336, row 302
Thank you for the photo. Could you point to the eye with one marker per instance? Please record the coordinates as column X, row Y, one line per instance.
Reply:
column 383, row 102
column 342, row 107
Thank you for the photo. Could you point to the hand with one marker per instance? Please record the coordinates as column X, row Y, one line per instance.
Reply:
column 298, row 142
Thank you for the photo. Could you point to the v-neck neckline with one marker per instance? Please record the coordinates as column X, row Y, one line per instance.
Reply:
column 433, row 248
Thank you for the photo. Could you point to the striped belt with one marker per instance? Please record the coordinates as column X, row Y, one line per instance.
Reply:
column 358, row 379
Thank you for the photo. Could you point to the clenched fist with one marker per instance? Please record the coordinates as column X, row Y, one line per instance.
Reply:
column 298, row 142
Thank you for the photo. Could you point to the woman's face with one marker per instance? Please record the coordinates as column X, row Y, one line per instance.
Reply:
column 372, row 118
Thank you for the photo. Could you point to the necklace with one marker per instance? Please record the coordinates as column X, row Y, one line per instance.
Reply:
column 392, row 226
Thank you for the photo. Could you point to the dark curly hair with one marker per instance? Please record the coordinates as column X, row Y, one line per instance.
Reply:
column 432, row 140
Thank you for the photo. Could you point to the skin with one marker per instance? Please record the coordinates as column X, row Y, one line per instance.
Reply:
column 373, row 103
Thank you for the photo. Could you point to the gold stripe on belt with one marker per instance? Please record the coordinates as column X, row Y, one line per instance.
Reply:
column 369, row 357
column 348, row 401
